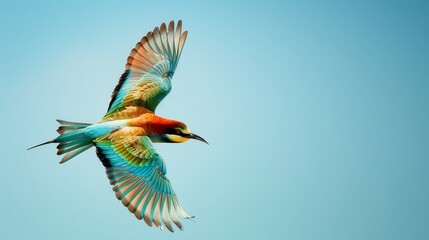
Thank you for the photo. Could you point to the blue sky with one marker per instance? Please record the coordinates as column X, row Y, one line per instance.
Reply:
column 316, row 113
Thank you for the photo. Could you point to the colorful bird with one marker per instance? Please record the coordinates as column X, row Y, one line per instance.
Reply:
column 123, row 137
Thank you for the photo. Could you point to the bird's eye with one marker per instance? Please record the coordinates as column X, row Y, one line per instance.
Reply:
column 178, row 132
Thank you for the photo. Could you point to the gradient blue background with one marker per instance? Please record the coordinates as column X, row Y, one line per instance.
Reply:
column 316, row 113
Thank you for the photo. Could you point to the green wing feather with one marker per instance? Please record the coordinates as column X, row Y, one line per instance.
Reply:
column 149, row 69
column 137, row 174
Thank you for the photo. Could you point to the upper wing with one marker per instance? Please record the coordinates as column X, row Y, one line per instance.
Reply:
column 149, row 69
column 137, row 174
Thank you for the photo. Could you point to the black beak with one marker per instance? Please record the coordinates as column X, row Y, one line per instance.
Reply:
column 195, row 136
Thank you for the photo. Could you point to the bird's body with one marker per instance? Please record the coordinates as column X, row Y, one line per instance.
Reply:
column 123, row 137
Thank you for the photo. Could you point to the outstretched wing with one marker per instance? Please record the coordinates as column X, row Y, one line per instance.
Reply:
column 137, row 174
column 149, row 69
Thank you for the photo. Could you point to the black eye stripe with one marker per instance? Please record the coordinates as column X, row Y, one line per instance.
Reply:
column 175, row 131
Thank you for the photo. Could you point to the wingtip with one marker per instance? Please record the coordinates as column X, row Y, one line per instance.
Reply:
column 163, row 27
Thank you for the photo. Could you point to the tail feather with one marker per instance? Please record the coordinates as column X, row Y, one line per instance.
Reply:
column 67, row 145
column 72, row 136
column 72, row 140
column 75, row 152
column 67, row 126
column 74, row 146
column 38, row 145
column 70, row 123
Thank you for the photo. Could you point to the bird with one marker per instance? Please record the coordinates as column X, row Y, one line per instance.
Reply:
column 124, row 137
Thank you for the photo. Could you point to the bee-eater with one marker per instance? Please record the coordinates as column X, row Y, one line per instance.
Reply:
column 123, row 137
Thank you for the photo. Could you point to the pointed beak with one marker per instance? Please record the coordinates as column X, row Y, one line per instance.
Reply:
column 195, row 136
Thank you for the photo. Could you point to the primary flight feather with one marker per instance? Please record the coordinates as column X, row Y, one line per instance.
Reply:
column 123, row 137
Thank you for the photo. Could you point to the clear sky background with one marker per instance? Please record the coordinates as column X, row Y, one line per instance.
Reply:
column 316, row 113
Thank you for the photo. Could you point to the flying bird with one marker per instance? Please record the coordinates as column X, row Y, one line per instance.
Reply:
column 123, row 137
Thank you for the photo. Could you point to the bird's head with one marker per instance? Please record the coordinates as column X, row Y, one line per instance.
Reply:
column 178, row 132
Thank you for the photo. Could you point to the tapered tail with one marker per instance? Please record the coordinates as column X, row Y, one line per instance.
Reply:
column 72, row 140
